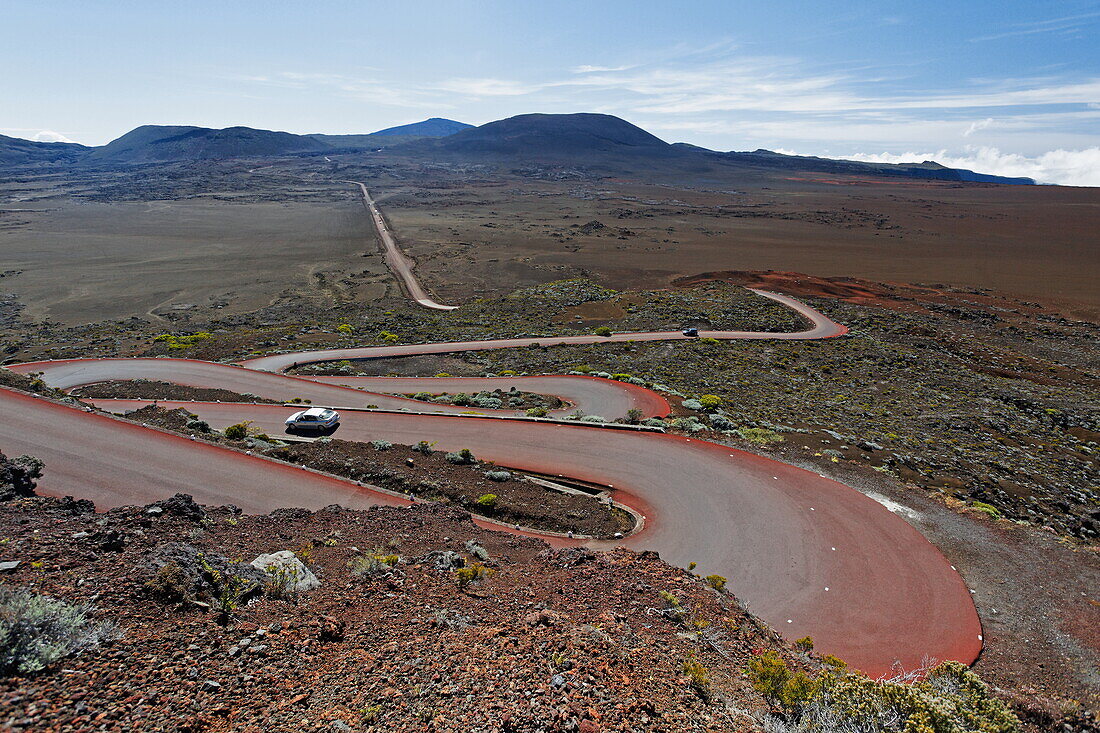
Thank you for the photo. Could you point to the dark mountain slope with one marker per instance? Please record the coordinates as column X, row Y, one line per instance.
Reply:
column 554, row 137
column 16, row 151
column 159, row 143
column 431, row 127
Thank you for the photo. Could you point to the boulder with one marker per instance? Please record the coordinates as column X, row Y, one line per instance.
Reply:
column 284, row 568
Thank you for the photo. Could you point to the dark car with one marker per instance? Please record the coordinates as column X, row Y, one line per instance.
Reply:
column 690, row 331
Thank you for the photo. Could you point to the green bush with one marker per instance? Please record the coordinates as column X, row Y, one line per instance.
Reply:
column 710, row 401
column 950, row 699
column 760, row 436
column 381, row 444
column 602, row 331
column 424, row 447
column 537, row 412
column 697, row 676
column 345, row 328
column 387, row 338
column 238, row 431
column 716, row 581
column 36, row 631
column 462, row 457
column 487, row 501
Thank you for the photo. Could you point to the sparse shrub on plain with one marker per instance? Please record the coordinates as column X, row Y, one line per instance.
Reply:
column 477, row 550
column 374, row 564
column 710, row 401
column 488, row 501
column 36, row 631
column 381, row 444
column 345, row 328
column 499, row 476
column 537, row 412
column 602, row 331
column 387, row 338
column 721, row 422
column 760, row 436
column 423, row 447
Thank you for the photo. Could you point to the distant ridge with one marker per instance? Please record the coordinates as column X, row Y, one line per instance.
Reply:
column 15, row 151
column 163, row 143
column 584, row 143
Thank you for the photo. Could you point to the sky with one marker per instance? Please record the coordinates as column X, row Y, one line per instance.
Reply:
column 1007, row 86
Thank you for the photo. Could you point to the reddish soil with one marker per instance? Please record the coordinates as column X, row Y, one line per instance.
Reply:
column 550, row 640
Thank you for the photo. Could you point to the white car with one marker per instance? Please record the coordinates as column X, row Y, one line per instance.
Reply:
column 316, row 418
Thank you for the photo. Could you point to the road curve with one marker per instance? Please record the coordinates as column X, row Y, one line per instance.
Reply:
column 807, row 554
column 821, row 327
column 399, row 264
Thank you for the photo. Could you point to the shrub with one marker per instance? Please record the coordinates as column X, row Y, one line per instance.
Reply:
column 805, row 644
column 238, row 431
column 634, row 416
column 697, row 676
column 374, row 564
column 950, row 699
column 345, row 328
column 537, row 412
column 181, row 342
column 169, row 584
column 716, row 581
column 387, row 338
column 989, row 509
column 228, row 588
column 692, row 404
column 424, row 447
column 499, row 476
column 486, row 402
column 381, row 444
column 423, row 396
column 602, row 331
column 461, row 399
column 760, row 436
column 462, row 457
column 710, row 401
column 721, row 422
column 477, row 551
column 473, row 573
column 36, row 631
column 488, row 501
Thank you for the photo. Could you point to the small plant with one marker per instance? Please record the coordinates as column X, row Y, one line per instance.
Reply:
column 634, row 415
column 370, row 714
column 487, row 501
column 469, row 574
column 691, row 566
column 602, row 331
column 239, row 431
column 716, row 581
column 374, row 564
column 805, row 644
column 424, row 447
column 498, row 476
column 346, row 329
column 175, row 343
column 697, row 676
column 387, row 338
column 760, row 436
column 477, row 551
column 461, row 399
column 537, row 412
column 710, row 401
column 229, row 589
column 988, row 509
column 36, row 631
column 381, row 444
column 463, row 457
column 169, row 584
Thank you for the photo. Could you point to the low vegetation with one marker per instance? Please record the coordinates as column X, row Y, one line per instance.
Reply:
column 36, row 631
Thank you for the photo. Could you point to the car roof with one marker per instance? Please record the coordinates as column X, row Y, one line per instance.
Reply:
column 316, row 411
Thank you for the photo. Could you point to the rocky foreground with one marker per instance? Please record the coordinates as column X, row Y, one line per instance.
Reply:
column 195, row 618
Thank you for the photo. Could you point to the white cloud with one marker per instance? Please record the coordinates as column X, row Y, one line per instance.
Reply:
column 49, row 136
column 1064, row 167
column 586, row 69
column 979, row 125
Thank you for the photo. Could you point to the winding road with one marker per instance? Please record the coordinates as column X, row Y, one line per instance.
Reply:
column 807, row 554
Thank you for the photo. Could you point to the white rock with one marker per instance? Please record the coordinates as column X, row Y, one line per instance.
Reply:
column 285, row 568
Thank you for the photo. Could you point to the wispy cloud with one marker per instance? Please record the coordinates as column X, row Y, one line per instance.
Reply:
column 37, row 134
column 1064, row 24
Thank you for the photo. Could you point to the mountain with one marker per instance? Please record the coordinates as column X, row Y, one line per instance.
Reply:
column 17, row 151
column 431, row 127
column 929, row 169
column 162, row 143
column 553, row 137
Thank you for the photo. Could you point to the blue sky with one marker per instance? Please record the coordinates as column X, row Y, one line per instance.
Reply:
column 1008, row 86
